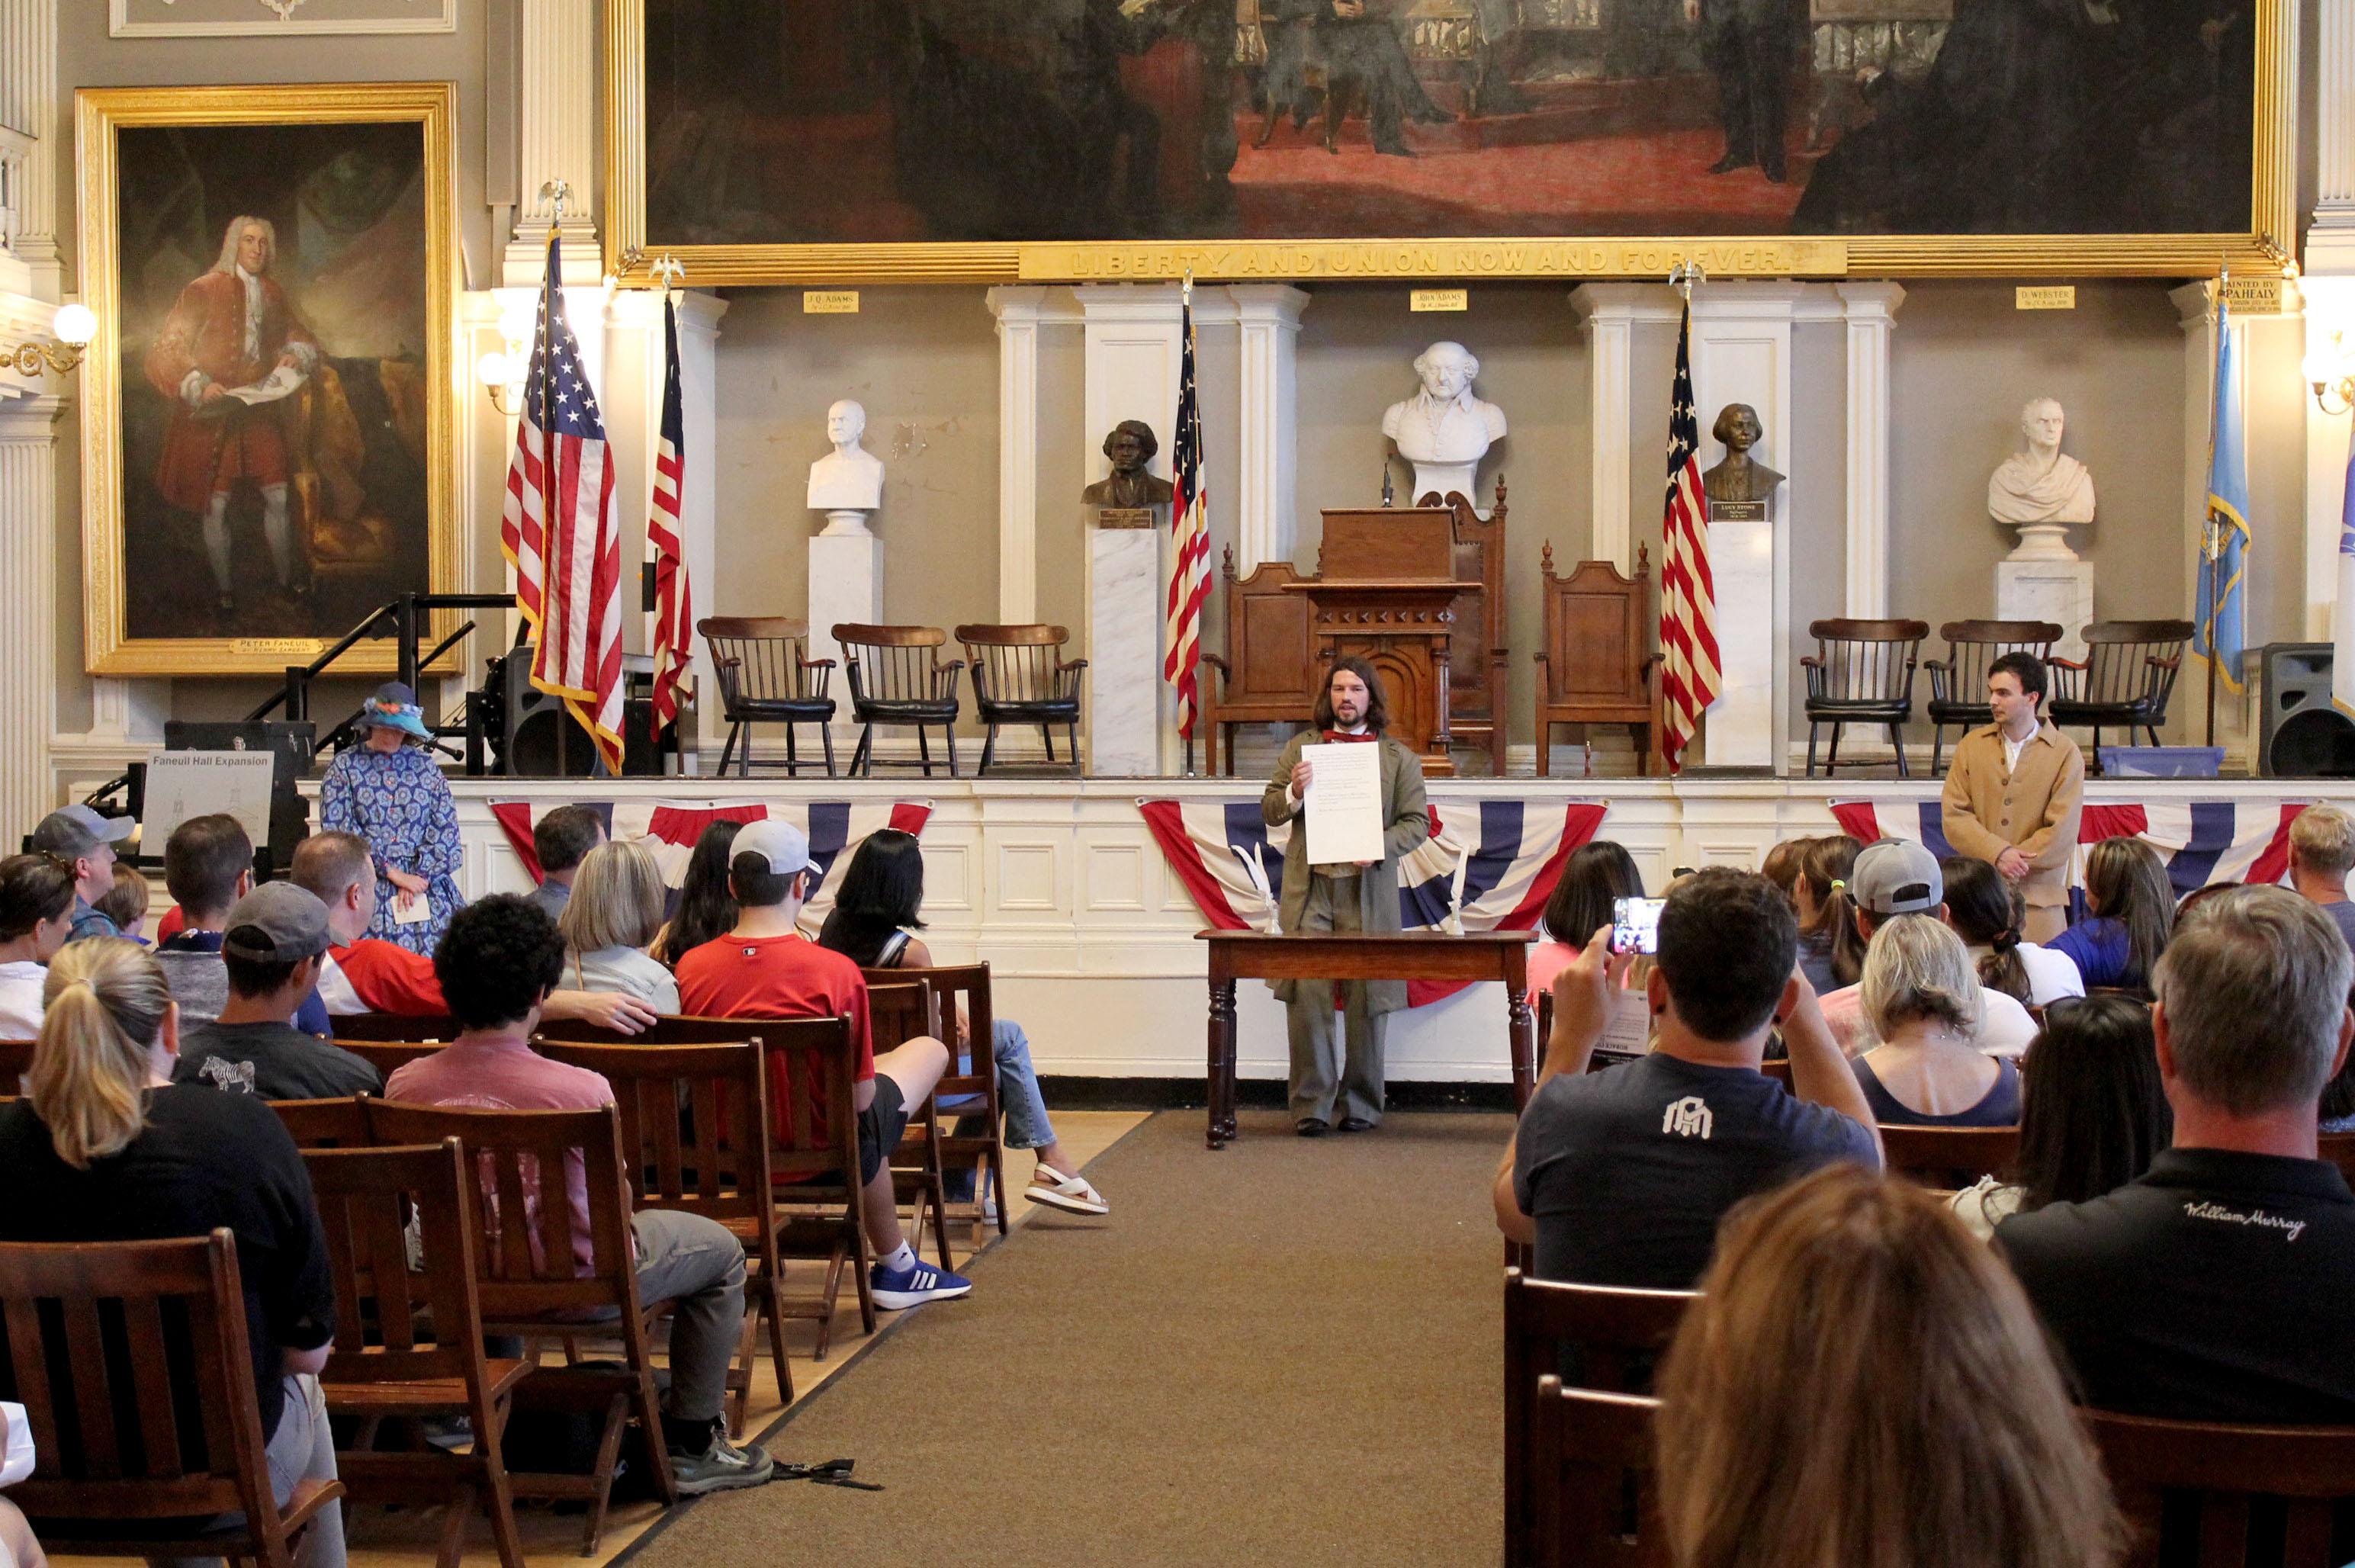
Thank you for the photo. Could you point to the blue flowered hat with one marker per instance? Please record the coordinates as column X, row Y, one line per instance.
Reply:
column 394, row 707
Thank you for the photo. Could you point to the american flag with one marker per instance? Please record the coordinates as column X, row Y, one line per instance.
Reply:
column 673, row 633
column 1189, row 580
column 561, row 532
column 1688, row 671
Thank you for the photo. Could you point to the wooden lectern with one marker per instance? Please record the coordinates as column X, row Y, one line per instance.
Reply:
column 1393, row 604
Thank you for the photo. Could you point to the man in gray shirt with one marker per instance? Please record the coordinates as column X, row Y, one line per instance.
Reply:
column 560, row 841
column 2321, row 853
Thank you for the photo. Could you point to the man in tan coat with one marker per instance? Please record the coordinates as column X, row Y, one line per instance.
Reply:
column 1344, row 899
column 2015, row 794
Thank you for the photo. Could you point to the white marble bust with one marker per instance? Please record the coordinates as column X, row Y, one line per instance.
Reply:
column 848, row 478
column 1444, row 430
column 2041, row 486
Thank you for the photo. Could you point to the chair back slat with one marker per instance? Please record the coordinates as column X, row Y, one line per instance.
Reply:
column 339, row 1123
column 151, row 1381
column 86, row 1346
column 2156, row 1468
column 1595, row 1483
column 899, row 1009
column 1949, row 1157
column 423, row 1317
column 352, row 1029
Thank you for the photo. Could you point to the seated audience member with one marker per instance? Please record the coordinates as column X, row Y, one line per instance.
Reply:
column 2091, row 1113
column 2336, row 1109
column 764, row 969
column 276, row 937
column 615, row 909
column 559, row 842
column 1924, row 1006
column 361, row 974
column 1897, row 877
column 2201, row 895
column 2130, row 909
column 84, row 842
column 706, row 909
column 1780, row 866
column 2214, row 1287
column 1597, row 874
column 497, row 963
column 126, row 904
column 1988, row 914
column 1831, row 948
column 1620, row 1177
column 881, row 898
column 2321, row 853
column 1860, row 1383
column 207, row 867
column 105, row 1148
column 37, row 904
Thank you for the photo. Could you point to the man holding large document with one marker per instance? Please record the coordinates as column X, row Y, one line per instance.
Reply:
column 1357, row 797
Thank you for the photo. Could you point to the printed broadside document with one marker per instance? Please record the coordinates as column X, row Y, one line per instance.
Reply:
column 1343, row 809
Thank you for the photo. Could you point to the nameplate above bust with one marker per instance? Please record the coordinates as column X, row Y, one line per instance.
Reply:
column 1737, row 511
column 1125, row 517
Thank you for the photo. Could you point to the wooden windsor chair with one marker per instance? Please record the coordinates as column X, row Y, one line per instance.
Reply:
column 1861, row 673
column 1019, row 676
column 2124, row 681
column 897, row 677
column 766, row 677
column 1958, row 681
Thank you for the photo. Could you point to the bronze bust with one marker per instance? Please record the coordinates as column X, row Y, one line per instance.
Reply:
column 1131, row 446
column 1737, row 476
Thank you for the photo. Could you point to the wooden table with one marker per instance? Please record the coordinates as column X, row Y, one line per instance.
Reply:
column 1414, row 955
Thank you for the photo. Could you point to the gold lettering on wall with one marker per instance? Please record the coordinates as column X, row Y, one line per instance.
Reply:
column 830, row 302
column 1435, row 258
column 1440, row 299
column 2049, row 296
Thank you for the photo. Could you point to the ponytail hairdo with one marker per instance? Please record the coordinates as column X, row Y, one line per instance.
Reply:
column 1824, row 867
column 103, row 1006
column 1988, row 911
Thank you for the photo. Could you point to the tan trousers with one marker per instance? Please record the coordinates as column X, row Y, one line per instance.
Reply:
column 2045, row 921
column 1320, row 1073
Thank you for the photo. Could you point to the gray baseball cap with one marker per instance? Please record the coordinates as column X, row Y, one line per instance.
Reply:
column 783, row 846
column 278, row 923
column 70, row 832
column 1897, row 876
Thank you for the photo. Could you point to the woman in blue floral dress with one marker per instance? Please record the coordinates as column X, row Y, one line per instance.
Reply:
column 393, row 795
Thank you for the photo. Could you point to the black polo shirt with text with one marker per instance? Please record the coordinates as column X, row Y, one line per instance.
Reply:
column 2218, row 1286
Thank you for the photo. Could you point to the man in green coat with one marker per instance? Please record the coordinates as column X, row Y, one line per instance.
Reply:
column 1344, row 898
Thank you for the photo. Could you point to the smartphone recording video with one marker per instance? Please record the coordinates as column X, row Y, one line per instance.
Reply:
column 1636, row 925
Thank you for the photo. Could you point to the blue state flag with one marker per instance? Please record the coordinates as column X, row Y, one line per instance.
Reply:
column 2223, row 586
column 2342, row 608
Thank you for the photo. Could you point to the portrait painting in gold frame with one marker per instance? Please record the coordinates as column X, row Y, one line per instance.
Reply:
column 1078, row 139
column 268, row 435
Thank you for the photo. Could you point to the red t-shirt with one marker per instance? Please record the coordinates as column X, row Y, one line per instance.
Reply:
column 385, row 977
column 777, row 977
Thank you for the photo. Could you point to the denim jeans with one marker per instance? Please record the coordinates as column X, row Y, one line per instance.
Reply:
column 302, row 1449
column 1027, row 1125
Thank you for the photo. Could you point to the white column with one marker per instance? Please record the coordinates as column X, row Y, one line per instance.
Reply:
column 1267, row 321
column 1608, row 313
column 557, row 136
column 29, row 102
column 1870, row 311
column 1742, row 354
column 29, row 525
column 2330, row 242
column 2329, row 304
column 2195, row 306
column 1020, row 313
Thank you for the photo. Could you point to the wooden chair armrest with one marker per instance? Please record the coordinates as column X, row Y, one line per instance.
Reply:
column 1070, row 665
column 950, row 666
column 2066, row 664
column 1542, row 658
column 806, row 662
column 1945, row 664
column 1809, row 661
column 2173, row 662
column 726, row 661
column 1650, row 659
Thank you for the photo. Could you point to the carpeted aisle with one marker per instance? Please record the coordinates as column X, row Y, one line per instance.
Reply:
column 1285, row 1352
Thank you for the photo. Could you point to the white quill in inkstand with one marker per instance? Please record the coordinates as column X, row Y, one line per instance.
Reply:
column 1255, row 868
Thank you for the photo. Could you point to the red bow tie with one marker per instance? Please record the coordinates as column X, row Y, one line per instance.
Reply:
column 1337, row 736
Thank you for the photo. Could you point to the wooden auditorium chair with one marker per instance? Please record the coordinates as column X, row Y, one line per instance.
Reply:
column 2206, row 1479
column 1861, row 673
column 766, row 677
column 1948, row 1157
column 1593, row 1480
column 1020, row 677
column 1595, row 665
column 897, row 677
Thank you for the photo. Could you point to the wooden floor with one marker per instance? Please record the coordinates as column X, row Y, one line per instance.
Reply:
column 382, row 1538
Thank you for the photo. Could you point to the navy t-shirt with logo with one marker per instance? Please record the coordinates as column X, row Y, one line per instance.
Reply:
column 1628, row 1172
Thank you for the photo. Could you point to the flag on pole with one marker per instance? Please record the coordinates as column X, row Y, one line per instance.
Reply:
column 1190, row 579
column 2222, row 591
column 561, row 531
column 673, row 641
column 2342, row 609
column 1689, row 677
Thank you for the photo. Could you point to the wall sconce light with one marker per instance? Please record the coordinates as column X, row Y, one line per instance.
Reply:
column 501, row 371
column 2331, row 373
column 74, row 326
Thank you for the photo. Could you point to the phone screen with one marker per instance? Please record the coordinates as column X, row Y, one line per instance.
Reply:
column 1636, row 925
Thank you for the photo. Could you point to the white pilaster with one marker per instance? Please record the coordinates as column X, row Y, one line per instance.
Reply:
column 1267, row 321
column 1608, row 313
column 2330, row 242
column 28, row 103
column 1870, row 311
column 1021, row 313
column 28, row 526
column 2195, row 305
column 557, row 136
column 2329, row 304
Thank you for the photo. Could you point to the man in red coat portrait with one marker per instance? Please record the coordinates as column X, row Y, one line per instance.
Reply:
column 231, row 356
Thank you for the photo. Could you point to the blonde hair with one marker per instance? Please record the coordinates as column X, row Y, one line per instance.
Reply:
column 103, row 1009
column 1917, row 968
column 617, row 899
column 1861, row 1384
column 2323, row 839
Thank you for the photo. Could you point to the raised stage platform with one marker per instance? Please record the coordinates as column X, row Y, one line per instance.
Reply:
column 1063, row 887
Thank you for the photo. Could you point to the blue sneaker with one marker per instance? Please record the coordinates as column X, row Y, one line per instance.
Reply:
column 915, row 1285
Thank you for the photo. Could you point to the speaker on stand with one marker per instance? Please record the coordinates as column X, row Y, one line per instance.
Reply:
column 531, row 736
column 2302, row 734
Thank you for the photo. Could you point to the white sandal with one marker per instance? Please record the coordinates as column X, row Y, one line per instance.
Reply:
column 1070, row 1193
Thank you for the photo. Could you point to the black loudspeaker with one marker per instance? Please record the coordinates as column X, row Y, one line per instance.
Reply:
column 290, row 747
column 2302, row 734
column 537, row 739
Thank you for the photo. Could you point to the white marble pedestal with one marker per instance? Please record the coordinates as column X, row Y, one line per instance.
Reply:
column 2061, row 591
column 1124, row 676
column 1739, row 732
column 846, row 584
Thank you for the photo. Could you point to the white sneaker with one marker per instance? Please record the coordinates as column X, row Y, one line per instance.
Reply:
column 1070, row 1193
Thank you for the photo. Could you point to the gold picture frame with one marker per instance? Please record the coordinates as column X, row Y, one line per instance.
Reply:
column 428, row 430
column 2263, row 247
